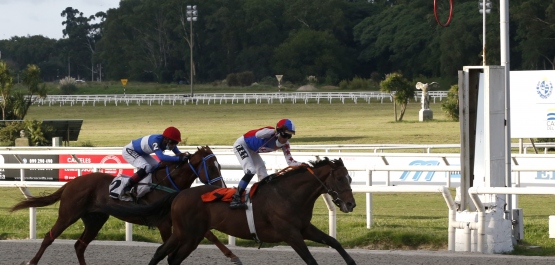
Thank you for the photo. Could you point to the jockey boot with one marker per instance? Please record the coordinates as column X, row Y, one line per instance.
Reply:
column 138, row 176
column 236, row 202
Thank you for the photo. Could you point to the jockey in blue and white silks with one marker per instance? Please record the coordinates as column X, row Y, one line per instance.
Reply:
column 262, row 140
column 138, row 152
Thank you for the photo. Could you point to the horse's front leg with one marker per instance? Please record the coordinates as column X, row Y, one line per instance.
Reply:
column 296, row 241
column 314, row 234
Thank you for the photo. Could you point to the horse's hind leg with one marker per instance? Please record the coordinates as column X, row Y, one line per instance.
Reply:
column 314, row 234
column 227, row 252
column 93, row 223
column 61, row 224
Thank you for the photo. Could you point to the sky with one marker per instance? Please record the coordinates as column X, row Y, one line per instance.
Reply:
column 42, row 17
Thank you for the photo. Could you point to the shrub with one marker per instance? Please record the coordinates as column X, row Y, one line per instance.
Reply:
column 240, row 79
column 232, row 80
column 38, row 134
column 451, row 104
column 68, row 86
column 344, row 85
column 245, row 78
column 359, row 83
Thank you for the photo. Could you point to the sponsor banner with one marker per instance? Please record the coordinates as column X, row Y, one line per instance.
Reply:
column 525, row 179
column 69, row 174
column 30, row 174
column 532, row 104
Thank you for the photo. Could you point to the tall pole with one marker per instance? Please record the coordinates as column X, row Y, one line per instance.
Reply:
column 484, row 8
column 192, row 15
column 505, row 61
column 484, row 33
column 192, row 65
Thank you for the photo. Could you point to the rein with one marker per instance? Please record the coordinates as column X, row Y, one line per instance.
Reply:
column 334, row 194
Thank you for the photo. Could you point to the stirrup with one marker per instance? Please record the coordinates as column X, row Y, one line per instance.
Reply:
column 238, row 205
column 129, row 191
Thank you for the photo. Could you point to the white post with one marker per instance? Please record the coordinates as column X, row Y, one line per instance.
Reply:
column 128, row 231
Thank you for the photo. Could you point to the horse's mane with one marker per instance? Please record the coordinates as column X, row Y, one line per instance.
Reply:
column 314, row 164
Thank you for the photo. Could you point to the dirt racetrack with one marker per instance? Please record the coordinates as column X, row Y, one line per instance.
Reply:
column 110, row 252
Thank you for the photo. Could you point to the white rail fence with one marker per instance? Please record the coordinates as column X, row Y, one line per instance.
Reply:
column 368, row 169
column 225, row 98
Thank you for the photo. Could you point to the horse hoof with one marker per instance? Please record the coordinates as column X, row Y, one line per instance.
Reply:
column 236, row 261
column 25, row 263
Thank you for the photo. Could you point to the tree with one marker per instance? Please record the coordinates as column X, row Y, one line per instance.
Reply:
column 400, row 89
column 308, row 52
column 6, row 85
column 31, row 78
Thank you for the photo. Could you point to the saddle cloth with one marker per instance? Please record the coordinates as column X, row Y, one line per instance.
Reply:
column 117, row 186
column 225, row 194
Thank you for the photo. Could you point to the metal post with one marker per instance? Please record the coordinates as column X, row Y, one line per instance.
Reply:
column 505, row 61
column 191, row 58
column 192, row 15
column 484, row 33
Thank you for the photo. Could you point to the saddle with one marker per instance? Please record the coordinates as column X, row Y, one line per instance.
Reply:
column 117, row 188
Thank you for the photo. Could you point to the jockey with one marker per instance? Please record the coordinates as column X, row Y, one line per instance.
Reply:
column 262, row 140
column 137, row 153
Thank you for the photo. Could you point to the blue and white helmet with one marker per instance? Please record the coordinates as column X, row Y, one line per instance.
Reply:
column 286, row 126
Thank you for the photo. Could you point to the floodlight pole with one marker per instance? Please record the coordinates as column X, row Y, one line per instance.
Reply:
column 192, row 15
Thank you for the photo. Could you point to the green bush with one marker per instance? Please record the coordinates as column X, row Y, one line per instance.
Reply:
column 232, row 80
column 38, row 134
column 240, row 79
column 359, row 83
column 451, row 104
column 344, row 85
column 68, row 86
column 246, row 78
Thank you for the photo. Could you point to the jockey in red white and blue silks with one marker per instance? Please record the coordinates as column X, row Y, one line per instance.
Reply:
column 262, row 140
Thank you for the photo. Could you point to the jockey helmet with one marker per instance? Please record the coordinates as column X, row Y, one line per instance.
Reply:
column 285, row 126
column 172, row 133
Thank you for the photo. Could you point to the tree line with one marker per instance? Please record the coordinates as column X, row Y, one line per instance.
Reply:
column 333, row 40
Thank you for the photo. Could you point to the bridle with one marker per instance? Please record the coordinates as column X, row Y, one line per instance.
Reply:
column 196, row 172
column 203, row 166
column 334, row 194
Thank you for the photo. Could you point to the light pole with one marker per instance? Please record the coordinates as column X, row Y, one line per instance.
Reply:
column 484, row 9
column 192, row 15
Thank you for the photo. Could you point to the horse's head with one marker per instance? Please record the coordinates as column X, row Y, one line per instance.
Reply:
column 338, row 183
column 205, row 166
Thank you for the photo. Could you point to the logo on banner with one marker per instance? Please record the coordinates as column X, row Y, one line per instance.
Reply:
column 418, row 174
column 550, row 122
column 544, row 88
column 115, row 159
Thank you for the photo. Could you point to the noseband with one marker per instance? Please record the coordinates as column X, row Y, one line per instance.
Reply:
column 203, row 165
column 334, row 194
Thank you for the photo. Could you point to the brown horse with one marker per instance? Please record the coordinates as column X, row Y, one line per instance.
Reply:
column 84, row 198
column 282, row 209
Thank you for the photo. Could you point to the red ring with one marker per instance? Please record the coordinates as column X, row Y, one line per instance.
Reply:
column 450, row 14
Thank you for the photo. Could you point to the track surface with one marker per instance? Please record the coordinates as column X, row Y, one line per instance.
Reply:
column 132, row 253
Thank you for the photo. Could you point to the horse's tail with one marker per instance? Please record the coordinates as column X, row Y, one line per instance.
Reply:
column 157, row 208
column 39, row 201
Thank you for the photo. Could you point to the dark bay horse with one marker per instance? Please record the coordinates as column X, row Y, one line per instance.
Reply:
column 84, row 198
column 282, row 207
